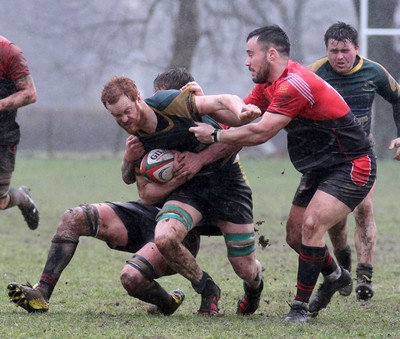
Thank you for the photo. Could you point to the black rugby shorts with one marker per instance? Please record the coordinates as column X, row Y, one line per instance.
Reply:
column 349, row 182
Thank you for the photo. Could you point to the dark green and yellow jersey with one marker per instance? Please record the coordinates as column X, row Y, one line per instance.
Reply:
column 176, row 111
column 359, row 85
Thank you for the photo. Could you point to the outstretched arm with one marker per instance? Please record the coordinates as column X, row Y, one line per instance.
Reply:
column 248, row 135
column 227, row 108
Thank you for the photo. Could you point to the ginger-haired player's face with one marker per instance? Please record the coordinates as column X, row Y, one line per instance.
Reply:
column 341, row 55
column 127, row 114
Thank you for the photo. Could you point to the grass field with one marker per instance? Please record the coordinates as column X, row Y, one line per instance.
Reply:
column 89, row 301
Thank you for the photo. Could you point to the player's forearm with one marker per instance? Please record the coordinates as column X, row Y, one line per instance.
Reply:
column 152, row 193
column 254, row 133
column 232, row 106
column 226, row 117
column 224, row 107
column 16, row 101
column 25, row 95
column 248, row 135
column 217, row 151
column 128, row 172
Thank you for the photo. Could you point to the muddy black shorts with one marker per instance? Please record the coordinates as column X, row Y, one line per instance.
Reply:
column 139, row 221
column 223, row 195
column 349, row 182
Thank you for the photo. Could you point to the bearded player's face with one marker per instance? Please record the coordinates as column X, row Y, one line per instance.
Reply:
column 257, row 61
column 127, row 114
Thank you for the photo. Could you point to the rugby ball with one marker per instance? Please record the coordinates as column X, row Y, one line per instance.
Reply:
column 157, row 165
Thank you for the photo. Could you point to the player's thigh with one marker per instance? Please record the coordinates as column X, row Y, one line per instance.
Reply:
column 228, row 227
column 110, row 227
column 323, row 212
column 175, row 219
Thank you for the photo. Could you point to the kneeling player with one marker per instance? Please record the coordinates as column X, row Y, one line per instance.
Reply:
column 126, row 227
column 123, row 226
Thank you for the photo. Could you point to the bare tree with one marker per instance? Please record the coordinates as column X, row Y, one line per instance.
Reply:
column 186, row 34
column 104, row 35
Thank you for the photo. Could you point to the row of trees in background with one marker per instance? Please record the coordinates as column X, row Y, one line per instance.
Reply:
column 92, row 39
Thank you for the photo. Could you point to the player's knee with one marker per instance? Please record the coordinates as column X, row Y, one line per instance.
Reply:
column 309, row 227
column 137, row 274
column 131, row 279
column 245, row 267
column 81, row 220
column 165, row 242
column 169, row 236
column 294, row 241
column 71, row 220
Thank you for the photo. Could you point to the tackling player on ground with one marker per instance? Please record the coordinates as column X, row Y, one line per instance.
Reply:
column 124, row 226
column 162, row 121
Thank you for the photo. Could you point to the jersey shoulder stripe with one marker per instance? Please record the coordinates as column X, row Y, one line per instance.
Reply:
column 315, row 66
column 302, row 86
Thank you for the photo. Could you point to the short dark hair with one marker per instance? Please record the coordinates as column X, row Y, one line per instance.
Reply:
column 272, row 36
column 174, row 78
column 341, row 31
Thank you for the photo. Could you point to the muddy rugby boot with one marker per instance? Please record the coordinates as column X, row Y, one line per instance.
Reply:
column 249, row 303
column 29, row 209
column 297, row 313
column 178, row 297
column 325, row 292
column 209, row 299
column 364, row 289
column 29, row 297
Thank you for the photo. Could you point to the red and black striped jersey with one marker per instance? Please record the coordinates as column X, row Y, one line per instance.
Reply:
column 323, row 131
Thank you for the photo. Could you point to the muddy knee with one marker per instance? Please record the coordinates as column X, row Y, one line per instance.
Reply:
column 136, row 274
column 169, row 238
column 81, row 220
column 166, row 244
